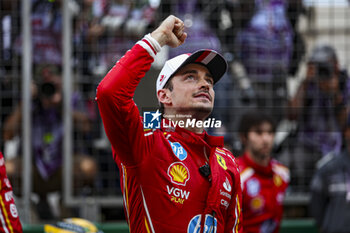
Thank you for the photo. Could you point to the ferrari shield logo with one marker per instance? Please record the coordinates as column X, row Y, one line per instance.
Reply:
column 221, row 161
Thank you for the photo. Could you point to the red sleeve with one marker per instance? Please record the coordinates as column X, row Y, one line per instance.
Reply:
column 119, row 113
column 234, row 223
column 8, row 211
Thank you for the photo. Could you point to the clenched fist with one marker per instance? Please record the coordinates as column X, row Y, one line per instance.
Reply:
column 170, row 32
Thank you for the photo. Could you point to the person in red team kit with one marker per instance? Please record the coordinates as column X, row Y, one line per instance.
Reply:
column 174, row 179
column 264, row 180
column 9, row 219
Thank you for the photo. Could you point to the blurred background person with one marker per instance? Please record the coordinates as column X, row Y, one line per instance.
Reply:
column 264, row 47
column 319, row 106
column 88, row 32
column 47, row 139
column 46, row 20
column 264, row 180
column 330, row 189
column 123, row 22
column 201, row 23
column 296, row 9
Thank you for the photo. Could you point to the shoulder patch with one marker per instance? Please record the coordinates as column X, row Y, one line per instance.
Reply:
column 282, row 171
column 246, row 174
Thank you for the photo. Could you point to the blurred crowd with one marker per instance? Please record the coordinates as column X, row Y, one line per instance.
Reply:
column 259, row 38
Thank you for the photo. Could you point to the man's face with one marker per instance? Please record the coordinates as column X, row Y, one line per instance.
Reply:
column 326, row 75
column 192, row 90
column 259, row 141
column 329, row 86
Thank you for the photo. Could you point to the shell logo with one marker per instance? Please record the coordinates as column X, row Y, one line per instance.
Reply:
column 178, row 173
column 257, row 203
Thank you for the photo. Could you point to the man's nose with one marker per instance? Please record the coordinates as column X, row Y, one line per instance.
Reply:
column 266, row 137
column 204, row 84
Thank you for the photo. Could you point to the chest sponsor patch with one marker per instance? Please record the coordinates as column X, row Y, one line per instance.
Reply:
column 178, row 173
column 257, row 203
column 253, row 187
column 178, row 150
column 210, row 224
column 221, row 161
column 177, row 195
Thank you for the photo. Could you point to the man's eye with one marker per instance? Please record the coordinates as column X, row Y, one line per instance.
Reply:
column 210, row 81
column 190, row 77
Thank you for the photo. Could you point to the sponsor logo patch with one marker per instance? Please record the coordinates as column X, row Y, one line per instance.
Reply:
column 221, row 161
column 224, row 203
column 177, row 195
column 227, row 185
column 253, row 187
column 280, row 198
column 178, row 150
column 161, row 78
column 225, row 194
column 210, row 224
column 178, row 173
column 256, row 203
column 13, row 210
column 7, row 182
column 8, row 196
column 277, row 180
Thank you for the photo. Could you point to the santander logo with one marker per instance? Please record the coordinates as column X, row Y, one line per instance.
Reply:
column 227, row 185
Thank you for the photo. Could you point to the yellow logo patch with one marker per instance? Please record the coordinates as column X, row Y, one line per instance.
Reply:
column 221, row 161
column 277, row 180
column 256, row 203
column 178, row 173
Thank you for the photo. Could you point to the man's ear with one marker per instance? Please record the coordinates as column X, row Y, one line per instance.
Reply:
column 164, row 97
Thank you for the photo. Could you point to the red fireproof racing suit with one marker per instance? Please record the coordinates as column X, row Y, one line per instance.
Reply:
column 9, row 219
column 263, row 193
column 163, row 190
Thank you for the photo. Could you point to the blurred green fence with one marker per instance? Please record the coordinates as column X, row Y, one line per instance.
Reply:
column 288, row 226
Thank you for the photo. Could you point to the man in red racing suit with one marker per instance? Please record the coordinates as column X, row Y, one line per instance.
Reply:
column 9, row 219
column 264, row 180
column 174, row 179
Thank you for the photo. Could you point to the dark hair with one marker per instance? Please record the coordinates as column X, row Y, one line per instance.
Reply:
column 168, row 85
column 253, row 119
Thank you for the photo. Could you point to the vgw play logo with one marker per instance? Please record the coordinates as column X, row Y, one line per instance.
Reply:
column 151, row 120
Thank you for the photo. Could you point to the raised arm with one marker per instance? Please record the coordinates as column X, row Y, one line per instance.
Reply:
column 119, row 113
